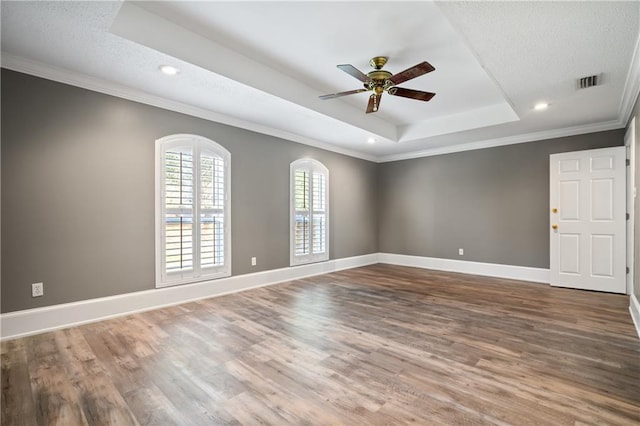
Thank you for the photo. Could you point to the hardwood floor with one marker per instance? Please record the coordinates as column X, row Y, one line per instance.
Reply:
column 375, row 345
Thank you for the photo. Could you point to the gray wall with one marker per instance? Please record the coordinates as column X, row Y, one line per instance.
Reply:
column 78, row 193
column 77, row 199
column 493, row 203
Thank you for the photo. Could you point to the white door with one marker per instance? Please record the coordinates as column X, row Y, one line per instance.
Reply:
column 587, row 220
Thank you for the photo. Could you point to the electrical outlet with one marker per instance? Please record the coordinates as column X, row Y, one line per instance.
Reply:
column 37, row 289
column 254, row 262
column 461, row 252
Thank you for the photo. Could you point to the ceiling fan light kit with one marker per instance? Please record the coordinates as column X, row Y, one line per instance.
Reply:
column 379, row 81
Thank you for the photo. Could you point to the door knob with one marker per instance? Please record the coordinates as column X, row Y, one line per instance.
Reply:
column 554, row 226
column 554, row 210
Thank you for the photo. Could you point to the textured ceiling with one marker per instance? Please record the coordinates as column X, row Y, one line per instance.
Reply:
column 261, row 65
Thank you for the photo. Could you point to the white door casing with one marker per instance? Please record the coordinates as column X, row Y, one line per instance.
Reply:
column 587, row 220
column 630, row 145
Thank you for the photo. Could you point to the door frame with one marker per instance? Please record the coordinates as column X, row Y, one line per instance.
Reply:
column 630, row 147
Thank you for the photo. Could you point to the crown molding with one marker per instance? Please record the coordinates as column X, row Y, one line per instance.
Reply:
column 39, row 69
column 631, row 86
column 509, row 140
column 61, row 75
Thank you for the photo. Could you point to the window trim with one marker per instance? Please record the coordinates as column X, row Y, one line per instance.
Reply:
column 310, row 165
column 197, row 143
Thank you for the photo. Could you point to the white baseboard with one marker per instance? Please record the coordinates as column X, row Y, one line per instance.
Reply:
column 38, row 320
column 524, row 273
column 634, row 309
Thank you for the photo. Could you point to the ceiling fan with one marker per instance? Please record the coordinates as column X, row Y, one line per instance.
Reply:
column 379, row 81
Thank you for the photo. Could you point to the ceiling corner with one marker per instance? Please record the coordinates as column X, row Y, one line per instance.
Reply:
column 632, row 85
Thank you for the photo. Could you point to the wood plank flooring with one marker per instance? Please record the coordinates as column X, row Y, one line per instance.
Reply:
column 368, row 346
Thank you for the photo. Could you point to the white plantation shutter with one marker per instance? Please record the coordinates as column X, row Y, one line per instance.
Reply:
column 193, row 242
column 212, row 203
column 301, row 207
column 309, row 212
column 178, row 213
column 319, row 214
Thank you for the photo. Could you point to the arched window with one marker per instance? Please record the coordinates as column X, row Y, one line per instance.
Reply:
column 192, row 210
column 309, row 211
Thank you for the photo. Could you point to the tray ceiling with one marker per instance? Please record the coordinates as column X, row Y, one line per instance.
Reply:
column 262, row 65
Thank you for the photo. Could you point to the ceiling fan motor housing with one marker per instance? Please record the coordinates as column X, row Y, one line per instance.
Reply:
column 379, row 75
column 378, row 78
column 379, row 81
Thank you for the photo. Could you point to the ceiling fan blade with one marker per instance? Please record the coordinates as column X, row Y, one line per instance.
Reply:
column 339, row 94
column 413, row 72
column 354, row 72
column 410, row 93
column 374, row 103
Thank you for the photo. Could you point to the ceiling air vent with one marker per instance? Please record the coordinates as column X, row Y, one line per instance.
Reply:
column 589, row 81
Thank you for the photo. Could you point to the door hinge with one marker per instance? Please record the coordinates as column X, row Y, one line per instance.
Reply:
column 627, row 269
column 628, row 216
column 628, row 161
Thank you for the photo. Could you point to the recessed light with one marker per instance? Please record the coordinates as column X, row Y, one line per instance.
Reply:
column 169, row 70
column 371, row 140
column 540, row 106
